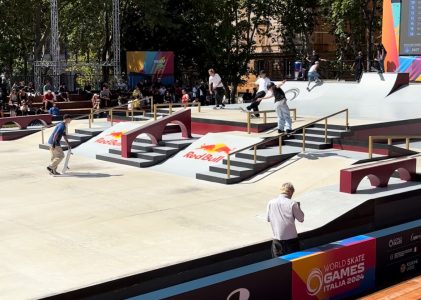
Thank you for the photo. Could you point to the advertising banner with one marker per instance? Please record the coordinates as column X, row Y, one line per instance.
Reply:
column 398, row 252
column 268, row 280
column 334, row 271
column 153, row 66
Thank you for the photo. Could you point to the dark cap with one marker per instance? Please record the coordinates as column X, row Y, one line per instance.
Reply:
column 262, row 72
column 270, row 85
column 67, row 116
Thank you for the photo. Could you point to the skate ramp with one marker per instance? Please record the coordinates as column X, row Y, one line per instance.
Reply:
column 377, row 98
column 209, row 150
column 109, row 139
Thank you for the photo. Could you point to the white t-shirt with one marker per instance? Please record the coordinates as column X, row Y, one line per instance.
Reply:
column 263, row 84
column 216, row 80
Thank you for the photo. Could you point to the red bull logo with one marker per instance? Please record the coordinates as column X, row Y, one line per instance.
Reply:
column 213, row 153
column 112, row 139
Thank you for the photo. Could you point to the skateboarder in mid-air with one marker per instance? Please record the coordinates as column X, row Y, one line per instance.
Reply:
column 56, row 151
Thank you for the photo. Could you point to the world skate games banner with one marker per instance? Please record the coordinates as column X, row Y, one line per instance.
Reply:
column 209, row 150
column 334, row 271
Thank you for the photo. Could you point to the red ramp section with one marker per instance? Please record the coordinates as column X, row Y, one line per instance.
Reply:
column 155, row 130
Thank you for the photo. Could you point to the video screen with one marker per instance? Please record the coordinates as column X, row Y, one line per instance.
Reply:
column 410, row 32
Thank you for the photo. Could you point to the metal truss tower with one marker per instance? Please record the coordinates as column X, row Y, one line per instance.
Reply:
column 55, row 43
column 116, row 38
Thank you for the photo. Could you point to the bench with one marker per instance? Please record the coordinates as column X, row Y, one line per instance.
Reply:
column 378, row 173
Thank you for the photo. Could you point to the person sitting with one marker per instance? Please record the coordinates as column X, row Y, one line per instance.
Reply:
column 48, row 100
column 185, row 98
column 13, row 98
column 63, row 93
column 54, row 110
column 24, row 108
column 96, row 102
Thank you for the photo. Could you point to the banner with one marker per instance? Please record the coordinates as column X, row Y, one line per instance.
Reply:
column 398, row 252
column 152, row 66
column 209, row 150
column 334, row 271
column 268, row 280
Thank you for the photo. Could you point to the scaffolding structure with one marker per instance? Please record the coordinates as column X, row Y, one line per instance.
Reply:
column 58, row 66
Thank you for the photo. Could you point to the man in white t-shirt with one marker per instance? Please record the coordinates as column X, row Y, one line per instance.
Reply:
column 262, row 84
column 217, row 88
column 313, row 75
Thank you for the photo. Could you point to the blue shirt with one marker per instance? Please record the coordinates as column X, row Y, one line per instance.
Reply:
column 60, row 130
column 54, row 111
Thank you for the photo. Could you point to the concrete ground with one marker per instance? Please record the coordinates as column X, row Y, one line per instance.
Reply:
column 109, row 221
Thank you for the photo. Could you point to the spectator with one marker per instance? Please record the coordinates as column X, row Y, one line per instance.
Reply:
column 282, row 213
column 47, row 87
column 13, row 98
column 48, row 100
column 63, row 93
column 22, row 95
column 359, row 66
column 217, row 88
column 105, row 96
column 54, row 110
column 96, row 102
column 24, row 108
column 380, row 57
column 185, row 98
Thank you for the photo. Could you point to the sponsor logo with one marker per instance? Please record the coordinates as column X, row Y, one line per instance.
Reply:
column 160, row 63
column 395, row 242
column 112, row 139
column 212, row 153
column 239, row 294
column 336, row 275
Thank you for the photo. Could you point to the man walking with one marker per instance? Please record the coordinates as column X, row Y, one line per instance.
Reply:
column 217, row 88
column 56, row 151
column 282, row 213
column 262, row 84
column 359, row 66
column 281, row 107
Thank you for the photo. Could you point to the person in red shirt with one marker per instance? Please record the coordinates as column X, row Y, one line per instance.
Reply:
column 185, row 98
column 48, row 100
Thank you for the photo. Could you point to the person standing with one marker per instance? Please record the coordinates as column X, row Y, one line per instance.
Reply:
column 380, row 57
column 262, row 84
column 281, row 107
column 217, row 88
column 56, row 151
column 359, row 66
column 313, row 75
column 282, row 213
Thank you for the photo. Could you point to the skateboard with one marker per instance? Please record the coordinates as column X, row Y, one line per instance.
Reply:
column 66, row 161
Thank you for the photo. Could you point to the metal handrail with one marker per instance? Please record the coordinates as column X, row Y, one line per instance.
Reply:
column 171, row 105
column 265, row 112
column 389, row 139
column 279, row 137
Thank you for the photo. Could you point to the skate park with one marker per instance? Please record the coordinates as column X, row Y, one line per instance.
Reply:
column 103, row 235
column 162, row 198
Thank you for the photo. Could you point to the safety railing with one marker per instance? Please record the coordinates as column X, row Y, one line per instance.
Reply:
column 265, row 112
column 325, row 119
column 279, row 138
column 389, row 139
column 171, row 105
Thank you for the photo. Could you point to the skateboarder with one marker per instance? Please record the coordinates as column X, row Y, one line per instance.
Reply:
column 313, row 75
column 281, row 107
column 56, row 151
column 262, row 83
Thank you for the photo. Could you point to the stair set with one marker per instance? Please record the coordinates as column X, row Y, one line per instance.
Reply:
column 243, row 165
column 75, row 139
column 145, row 154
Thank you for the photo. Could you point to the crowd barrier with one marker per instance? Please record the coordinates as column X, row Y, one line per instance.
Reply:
column 338, row 270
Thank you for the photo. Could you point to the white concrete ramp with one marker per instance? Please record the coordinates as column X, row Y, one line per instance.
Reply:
column 209, row 150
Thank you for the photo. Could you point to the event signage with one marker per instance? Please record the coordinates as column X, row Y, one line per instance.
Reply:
column 398, row 252
column 269, row 280
column 337, row 270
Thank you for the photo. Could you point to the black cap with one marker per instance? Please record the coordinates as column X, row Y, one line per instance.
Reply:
column 67, row 117
column 270, row 85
